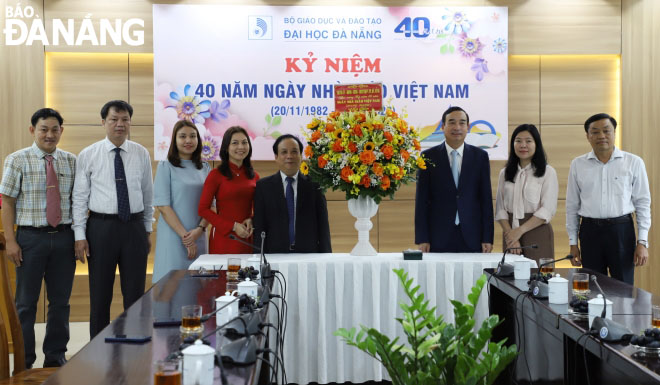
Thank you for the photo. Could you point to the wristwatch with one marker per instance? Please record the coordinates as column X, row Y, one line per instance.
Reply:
column 202, row 227
column 645, row 243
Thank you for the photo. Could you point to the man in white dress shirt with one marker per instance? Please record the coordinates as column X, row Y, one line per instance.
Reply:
column 114, row 183
column 604, row 188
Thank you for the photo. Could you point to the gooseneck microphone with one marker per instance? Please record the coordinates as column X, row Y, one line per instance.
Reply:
column 265, row 266
column 604, row 328
column 237, row 239
column 603, row 314
column 506, row 269
column 569, row 256
column 538, row 283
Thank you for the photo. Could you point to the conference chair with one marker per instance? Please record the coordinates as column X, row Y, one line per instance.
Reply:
column 8, row 310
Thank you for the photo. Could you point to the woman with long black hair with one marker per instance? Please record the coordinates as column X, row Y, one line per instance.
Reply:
column 526, row 198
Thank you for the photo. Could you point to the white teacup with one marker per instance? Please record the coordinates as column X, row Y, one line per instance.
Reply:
column 521, row 269
column 229, row 312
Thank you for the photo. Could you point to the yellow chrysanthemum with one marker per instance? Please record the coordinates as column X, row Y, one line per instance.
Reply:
column 304, row 168
column 355, row 178
column 421, row 164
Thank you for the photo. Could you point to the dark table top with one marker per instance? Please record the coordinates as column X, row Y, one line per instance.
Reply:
column 121, row 363
column 631, row 307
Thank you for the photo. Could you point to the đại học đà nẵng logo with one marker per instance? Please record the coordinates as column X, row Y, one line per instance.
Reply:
column 23, row 26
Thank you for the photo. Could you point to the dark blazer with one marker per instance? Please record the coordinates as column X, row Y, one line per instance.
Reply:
column 437, row 199
column 271, row 216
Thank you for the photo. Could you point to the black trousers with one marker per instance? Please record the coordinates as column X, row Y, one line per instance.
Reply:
column 456, row 243
column 607, row 245
column 114, row 243
column 49, row 256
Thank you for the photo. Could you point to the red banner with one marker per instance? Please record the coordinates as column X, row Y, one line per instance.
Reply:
column 358, row 97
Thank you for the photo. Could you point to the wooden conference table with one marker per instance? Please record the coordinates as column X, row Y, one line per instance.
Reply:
column 121, row 363
column 330, row 291
column 549, row 336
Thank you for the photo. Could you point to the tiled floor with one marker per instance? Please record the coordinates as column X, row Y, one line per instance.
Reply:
column 79, row 337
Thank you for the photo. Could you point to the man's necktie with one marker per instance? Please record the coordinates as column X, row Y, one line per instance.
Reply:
column 454, row 173
column 53, row 205
column 123, row 204
column 290, row 205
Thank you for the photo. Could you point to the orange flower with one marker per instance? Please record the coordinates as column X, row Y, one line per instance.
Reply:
column 369, row 146
column 315, row 136
column 405, row 155
column 336, row 146
column 357, row 130
column 334, row 115
column 417, row 145
column 323, row 161
column 378, row 126
column 330, row 127
column 360, row 117
column 387, row 136
column 366, row 182
column 309, row 151
column 377, row 168
column 367, row 157
column 388, row 151
column 352, row 147
column 385, row 183
column 345, row 173
column 391, row 113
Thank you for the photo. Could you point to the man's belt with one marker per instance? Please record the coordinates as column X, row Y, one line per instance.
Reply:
column 607, row 221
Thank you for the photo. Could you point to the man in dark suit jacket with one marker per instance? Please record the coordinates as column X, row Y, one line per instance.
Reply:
column 453, row 206
column 288, row 194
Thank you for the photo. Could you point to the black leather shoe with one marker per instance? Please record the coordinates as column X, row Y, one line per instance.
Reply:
column 55, row 363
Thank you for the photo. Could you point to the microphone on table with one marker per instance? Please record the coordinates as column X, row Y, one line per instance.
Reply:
column 243, row 298
column 569, row 256
column 604, row 328
column 265, row 266
column 506, row 269
column 242, row 351
column 538, row 283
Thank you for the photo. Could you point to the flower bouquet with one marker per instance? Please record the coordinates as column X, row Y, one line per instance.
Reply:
column 366, row 154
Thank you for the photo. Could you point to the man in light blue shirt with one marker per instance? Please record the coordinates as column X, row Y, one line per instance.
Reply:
column 604, row 188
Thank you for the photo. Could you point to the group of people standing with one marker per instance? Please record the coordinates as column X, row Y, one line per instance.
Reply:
column 454, row 212
column 98, row 208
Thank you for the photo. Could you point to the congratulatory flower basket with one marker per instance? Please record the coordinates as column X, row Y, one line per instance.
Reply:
column 366, row 154
column 362, row 153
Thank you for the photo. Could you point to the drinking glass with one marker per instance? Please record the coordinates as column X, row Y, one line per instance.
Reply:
column 191, row 319
column 549, row 268
column 233, row 266
column 167, row 372
column 580, row 284
column 655, row 318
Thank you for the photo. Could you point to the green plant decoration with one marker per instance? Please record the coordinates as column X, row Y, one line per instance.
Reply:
column 437, row 352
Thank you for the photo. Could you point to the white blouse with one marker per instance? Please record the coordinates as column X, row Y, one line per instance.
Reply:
column 528, row 194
